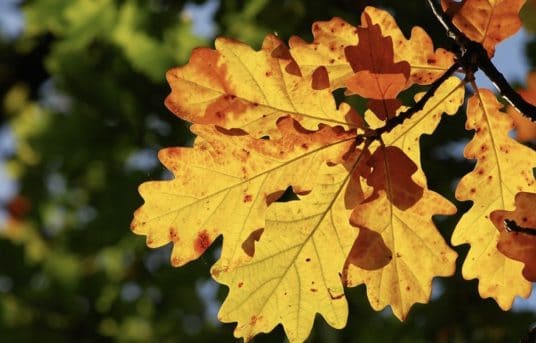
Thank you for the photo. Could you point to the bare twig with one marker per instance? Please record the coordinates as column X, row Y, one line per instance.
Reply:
column 512, row 226
column 402, row 116
column 473, row 56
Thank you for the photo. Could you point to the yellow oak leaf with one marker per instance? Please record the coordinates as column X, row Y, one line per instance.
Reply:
column 487, row 22
column 332, row 37
column 224, row 184
column 327, row 49
column 235, row 86
column 399, row 211
column 519, row 246
column 503, row 168
column 295, row 272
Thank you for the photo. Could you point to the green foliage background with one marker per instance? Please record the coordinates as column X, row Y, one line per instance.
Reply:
column 82, row 91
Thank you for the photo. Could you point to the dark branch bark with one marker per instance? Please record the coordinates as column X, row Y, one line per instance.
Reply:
column 401, row 117
column 512, row 226
column 473, row 56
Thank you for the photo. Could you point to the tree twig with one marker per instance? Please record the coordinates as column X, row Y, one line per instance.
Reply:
column 402, row 116
column 473, row 56
column 512, row 226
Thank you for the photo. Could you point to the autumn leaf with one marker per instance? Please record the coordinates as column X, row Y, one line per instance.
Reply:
column 487, row 22
column 525, row 128
column 376, row 76
column 228, row 172
column 327, row 49
column 304, row 246
column 503, row 168
column 237, row 87
column 516, row 245
column 400, row 211
column 427, row 64
column 332, row 37
column 396, row 236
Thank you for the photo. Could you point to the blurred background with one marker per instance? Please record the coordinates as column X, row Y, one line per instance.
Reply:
column 81, row 120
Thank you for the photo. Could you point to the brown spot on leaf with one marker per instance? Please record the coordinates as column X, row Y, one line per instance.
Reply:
column 402, row 190
column 293, row 68
column 270, row 198
column 320, row 79
column 254, row 319
column 173, row 236
column 175, row 261
column 240, row 284
column 249, row 244
column 247, row 198
column 172, row 153
column 202, row 242
column 149, row 241
column 368, row 252
column 314, row 290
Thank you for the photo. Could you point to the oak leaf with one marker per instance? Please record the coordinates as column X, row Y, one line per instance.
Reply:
column 487, row 22
column 332, row 37
column 393, row 285
column 376, row 76
column 516, row 245
column 234, row 86
column 427, row 64
column 304, row 246
column 228, row 172
column 327, row 49
column 503, row 168
column 400, row 211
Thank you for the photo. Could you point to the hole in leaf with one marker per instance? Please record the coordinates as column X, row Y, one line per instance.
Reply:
column 288, row 195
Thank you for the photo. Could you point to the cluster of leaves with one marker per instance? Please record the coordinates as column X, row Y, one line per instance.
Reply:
column 268, row 120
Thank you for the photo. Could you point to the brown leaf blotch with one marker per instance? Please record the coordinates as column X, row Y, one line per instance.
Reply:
column 202, row 242
column 249, row 244
column 320, row 79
